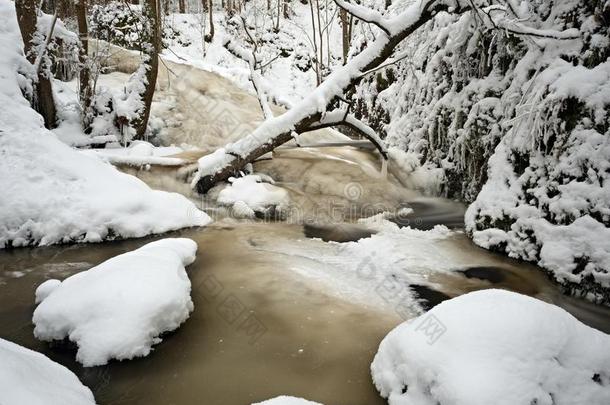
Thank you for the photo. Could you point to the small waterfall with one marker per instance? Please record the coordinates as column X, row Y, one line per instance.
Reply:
column 384, row 169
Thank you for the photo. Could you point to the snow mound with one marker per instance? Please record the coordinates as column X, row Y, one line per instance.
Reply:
column 28, row 377
column 493, row 347
column 54, row 194
column 117, row 310
column 285, row 400
column 251, row 194
column 45, row 289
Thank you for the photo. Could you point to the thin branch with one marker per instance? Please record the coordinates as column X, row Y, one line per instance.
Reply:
column 366, row 14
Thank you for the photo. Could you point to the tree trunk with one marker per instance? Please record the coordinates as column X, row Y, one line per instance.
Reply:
column 182, row 6
column 285, row 11
column 204, row 6
column 345, row 34
column 151, row 59
column 43, row 101
column 209, row 37
column 84, row 77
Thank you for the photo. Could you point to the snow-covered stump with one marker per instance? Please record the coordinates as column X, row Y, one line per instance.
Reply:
column 494, row 347
column 118, row 309
column 29, row 377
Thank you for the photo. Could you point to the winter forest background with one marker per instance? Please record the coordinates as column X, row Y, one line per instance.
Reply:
column 494, row 114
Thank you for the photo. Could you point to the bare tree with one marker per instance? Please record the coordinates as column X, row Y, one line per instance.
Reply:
column 319, row 109
column 42, row 98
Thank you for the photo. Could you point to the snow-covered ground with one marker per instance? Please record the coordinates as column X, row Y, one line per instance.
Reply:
column 54, row 194
column 290, row 51
column 28, row 377
column 493, row 347
column 118, row 309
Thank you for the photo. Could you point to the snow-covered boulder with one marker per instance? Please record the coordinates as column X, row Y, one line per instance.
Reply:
column 286, row 400
column 54, row 194
column 28, row 377
column 494, row 347
column 253, row 194
column 118, row 309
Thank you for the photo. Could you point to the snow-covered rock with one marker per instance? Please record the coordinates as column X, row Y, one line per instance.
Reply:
column 54, row 194
column 253, row 193
column 28, row 377
column 45, row 289
column 494, row 347
column 118, row 309
column 286, row 400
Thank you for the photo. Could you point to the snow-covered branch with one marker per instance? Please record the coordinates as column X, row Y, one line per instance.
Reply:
column 309, row 111
column 365, row 14
column 498, row 18
column 255, row 76
column 343, row 117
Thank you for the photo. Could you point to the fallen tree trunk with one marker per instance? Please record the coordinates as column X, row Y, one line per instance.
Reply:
column 311, row 113
column 308, row 115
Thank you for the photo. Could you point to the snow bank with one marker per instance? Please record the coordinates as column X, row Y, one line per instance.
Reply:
column 28, row 377
column 251, row 194
column 53, row 194
column 285, row 400
column 493, row 347
column 140, row 153
column 118, row 309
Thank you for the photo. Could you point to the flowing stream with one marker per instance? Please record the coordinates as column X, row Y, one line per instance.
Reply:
column 276, row 312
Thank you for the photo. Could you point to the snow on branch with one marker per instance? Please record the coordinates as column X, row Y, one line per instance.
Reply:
column 365, row 14
column 343, row 117
column 255, row 76
column 498, row 18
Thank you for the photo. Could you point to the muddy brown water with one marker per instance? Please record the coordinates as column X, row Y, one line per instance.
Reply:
column 260, row 328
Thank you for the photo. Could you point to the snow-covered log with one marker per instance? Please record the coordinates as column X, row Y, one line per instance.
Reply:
column 309, row 113
column 305, row 115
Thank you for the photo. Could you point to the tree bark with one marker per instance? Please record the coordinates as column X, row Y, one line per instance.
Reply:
column 84, row 76
column 345, row 34
column 43, row 100
column 209, row 37
column 151, row 51
column 182, row 6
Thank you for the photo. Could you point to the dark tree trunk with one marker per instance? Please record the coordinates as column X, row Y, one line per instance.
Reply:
column 209, row 37
column 182, row 6
column 84, row 77
column 151, row 55
column 345, row 33
column 43, row 101
column 285, row 8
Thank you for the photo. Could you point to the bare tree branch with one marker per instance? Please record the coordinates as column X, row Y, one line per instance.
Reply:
column 365, row 14
column 255, row 77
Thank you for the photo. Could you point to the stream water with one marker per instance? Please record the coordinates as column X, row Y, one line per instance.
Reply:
column 276, row 312
column 261, row 326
